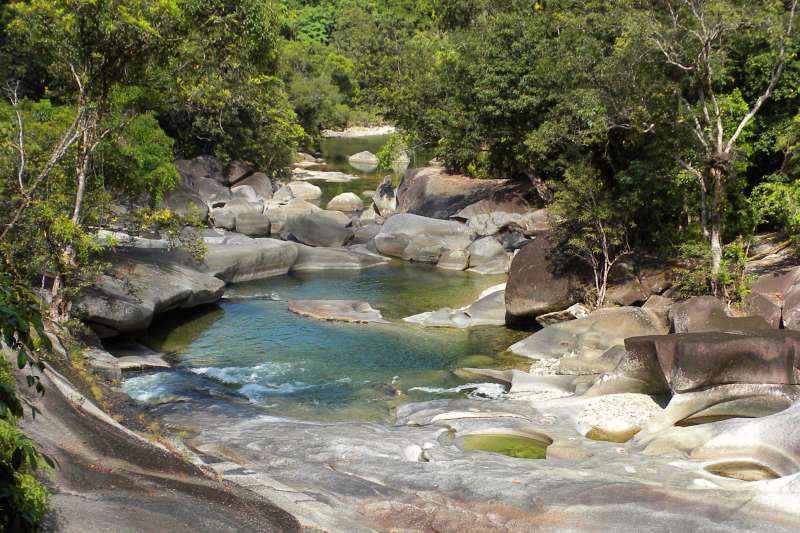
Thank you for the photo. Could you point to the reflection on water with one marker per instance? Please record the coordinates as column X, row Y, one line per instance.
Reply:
column 336, row 152
column 255, row 350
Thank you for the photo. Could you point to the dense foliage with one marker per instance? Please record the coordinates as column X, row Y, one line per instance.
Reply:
column 23, row 498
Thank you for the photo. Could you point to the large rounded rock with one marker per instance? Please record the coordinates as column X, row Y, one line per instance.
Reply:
column 364, row 161
column 337, row 310
column 238, row 170
column 225, row 216
column 416, row 238
column 695, row 361
column 581, row 344
column 298, row 189
column 278, row 213
column 319, row 228
column 311, row 259
column 706, row 313
column 487, row 256
column 254, row 224
column 201, row 167
column 347, row 202
column 260, row 183
column 250, row 259
column 135, row 290
column 210, row 190
column 185, row 202
column 533, row 289
column 245, row 192
column 431, row 192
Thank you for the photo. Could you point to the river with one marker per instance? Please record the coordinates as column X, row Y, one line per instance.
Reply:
column 253, row 352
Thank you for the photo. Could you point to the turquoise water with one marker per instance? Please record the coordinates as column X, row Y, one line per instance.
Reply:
column 252, row 349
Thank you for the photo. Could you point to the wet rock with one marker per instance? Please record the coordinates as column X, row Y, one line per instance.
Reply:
column 346, row 202
column 319, row 228
column 706, row 313
column 322, row 175
column 337, row 310
column 533, row 289
column 364, row 161
column 488, row 310
column 416, row 238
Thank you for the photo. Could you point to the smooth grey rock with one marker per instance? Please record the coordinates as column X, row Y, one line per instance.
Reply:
column 251, row 260
column 416, row 238
column 245, row 192
column 337, row 310
column 659, row 307
column 253, row 224
column 311, row 259
column 201, row 167
column 572, row 312
column 454, row 260
column 278, row 213
column 238, row 170
column 580, row 344
column 706, row 313
column 260, row 183
column 299, row 189
column 347, row 202
column 533, row 288
column 487, row 256
column 319, row 228
column 134, row 291
column 364, row 161
column 225, row 216
column 488, row 310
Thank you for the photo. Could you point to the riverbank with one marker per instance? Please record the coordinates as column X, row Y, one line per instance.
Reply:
column 359, row 131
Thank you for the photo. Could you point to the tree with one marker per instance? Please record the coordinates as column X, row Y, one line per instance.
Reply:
column 700, row 42
column 588, row 222
column 91, row 50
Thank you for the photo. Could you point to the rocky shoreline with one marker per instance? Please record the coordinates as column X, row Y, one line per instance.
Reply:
column 670, row 415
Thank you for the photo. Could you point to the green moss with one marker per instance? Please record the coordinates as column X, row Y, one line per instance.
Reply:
column 511, row 445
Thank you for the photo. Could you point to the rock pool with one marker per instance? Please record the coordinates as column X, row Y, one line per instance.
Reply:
column 252, row 350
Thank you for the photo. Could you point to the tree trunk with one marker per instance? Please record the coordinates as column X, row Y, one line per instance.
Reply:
column 717, row 208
